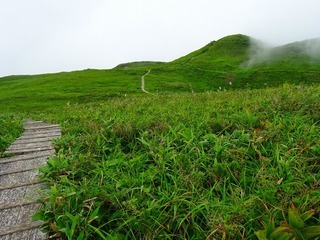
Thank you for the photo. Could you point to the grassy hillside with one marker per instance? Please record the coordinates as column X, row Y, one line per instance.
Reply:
column 304, row 54
column 220, row 65
column 185, row 166
column 214, row 165
column 138, row 64
column 221, row 150
column 225, row 62
column 50, row 90
column 226, row 54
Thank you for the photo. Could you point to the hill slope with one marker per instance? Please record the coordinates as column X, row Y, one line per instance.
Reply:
column 298, row 54
column 225, row 54
column 223, row 64
column 227, row 64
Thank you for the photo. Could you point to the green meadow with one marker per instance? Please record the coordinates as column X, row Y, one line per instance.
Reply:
column 218, row 150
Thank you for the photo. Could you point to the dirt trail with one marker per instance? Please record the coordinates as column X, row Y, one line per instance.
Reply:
column 19, row 184
column 143, row 82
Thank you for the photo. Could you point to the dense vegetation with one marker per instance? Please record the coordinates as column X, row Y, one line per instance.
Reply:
column 201, row 159
column 10, row 129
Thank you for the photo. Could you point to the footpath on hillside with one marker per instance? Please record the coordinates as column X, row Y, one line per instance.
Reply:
column 143, row 83
column 19, row 184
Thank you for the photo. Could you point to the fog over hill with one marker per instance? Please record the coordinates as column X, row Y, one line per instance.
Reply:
column 261, row 52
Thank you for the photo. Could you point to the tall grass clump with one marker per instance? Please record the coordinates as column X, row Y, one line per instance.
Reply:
column 10, row 128
column 185, row 166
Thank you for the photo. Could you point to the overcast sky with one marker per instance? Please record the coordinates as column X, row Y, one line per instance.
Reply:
column 40, row 36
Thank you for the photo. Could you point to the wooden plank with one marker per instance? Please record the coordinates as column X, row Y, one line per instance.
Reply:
column 27, row 156
column 30, row 150
column 23, row 164
column 41, row 135
column 31, row 132
column 19, row 183
column 43, row 126
column 33, row 140
column 16, row 146
column 25, row 231
column 15, row 195
column 15, row 216
column 21, row 203
column 17, row 170
column 15, row 185
column 20, row 177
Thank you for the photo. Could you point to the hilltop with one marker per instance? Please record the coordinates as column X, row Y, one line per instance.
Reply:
column 138, row 64
column 225, row 54
column 233, row 62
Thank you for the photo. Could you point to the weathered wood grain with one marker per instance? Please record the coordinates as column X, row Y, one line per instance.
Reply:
column 27, row 156
column 28, row 145
column 23, row 232
column 52, row 135
column 27, row 192
column 23, row 164
column 24, row 176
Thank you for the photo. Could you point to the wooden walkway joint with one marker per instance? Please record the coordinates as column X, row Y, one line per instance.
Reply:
column 19, row 183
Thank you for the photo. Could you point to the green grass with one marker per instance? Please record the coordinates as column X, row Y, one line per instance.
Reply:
column 10, row 129
column 199, row 159
column 219, row 65
column 183, row 166
column 143, row 64
column 50, row 90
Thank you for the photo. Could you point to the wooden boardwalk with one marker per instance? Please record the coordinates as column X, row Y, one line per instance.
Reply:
column 19, row 183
